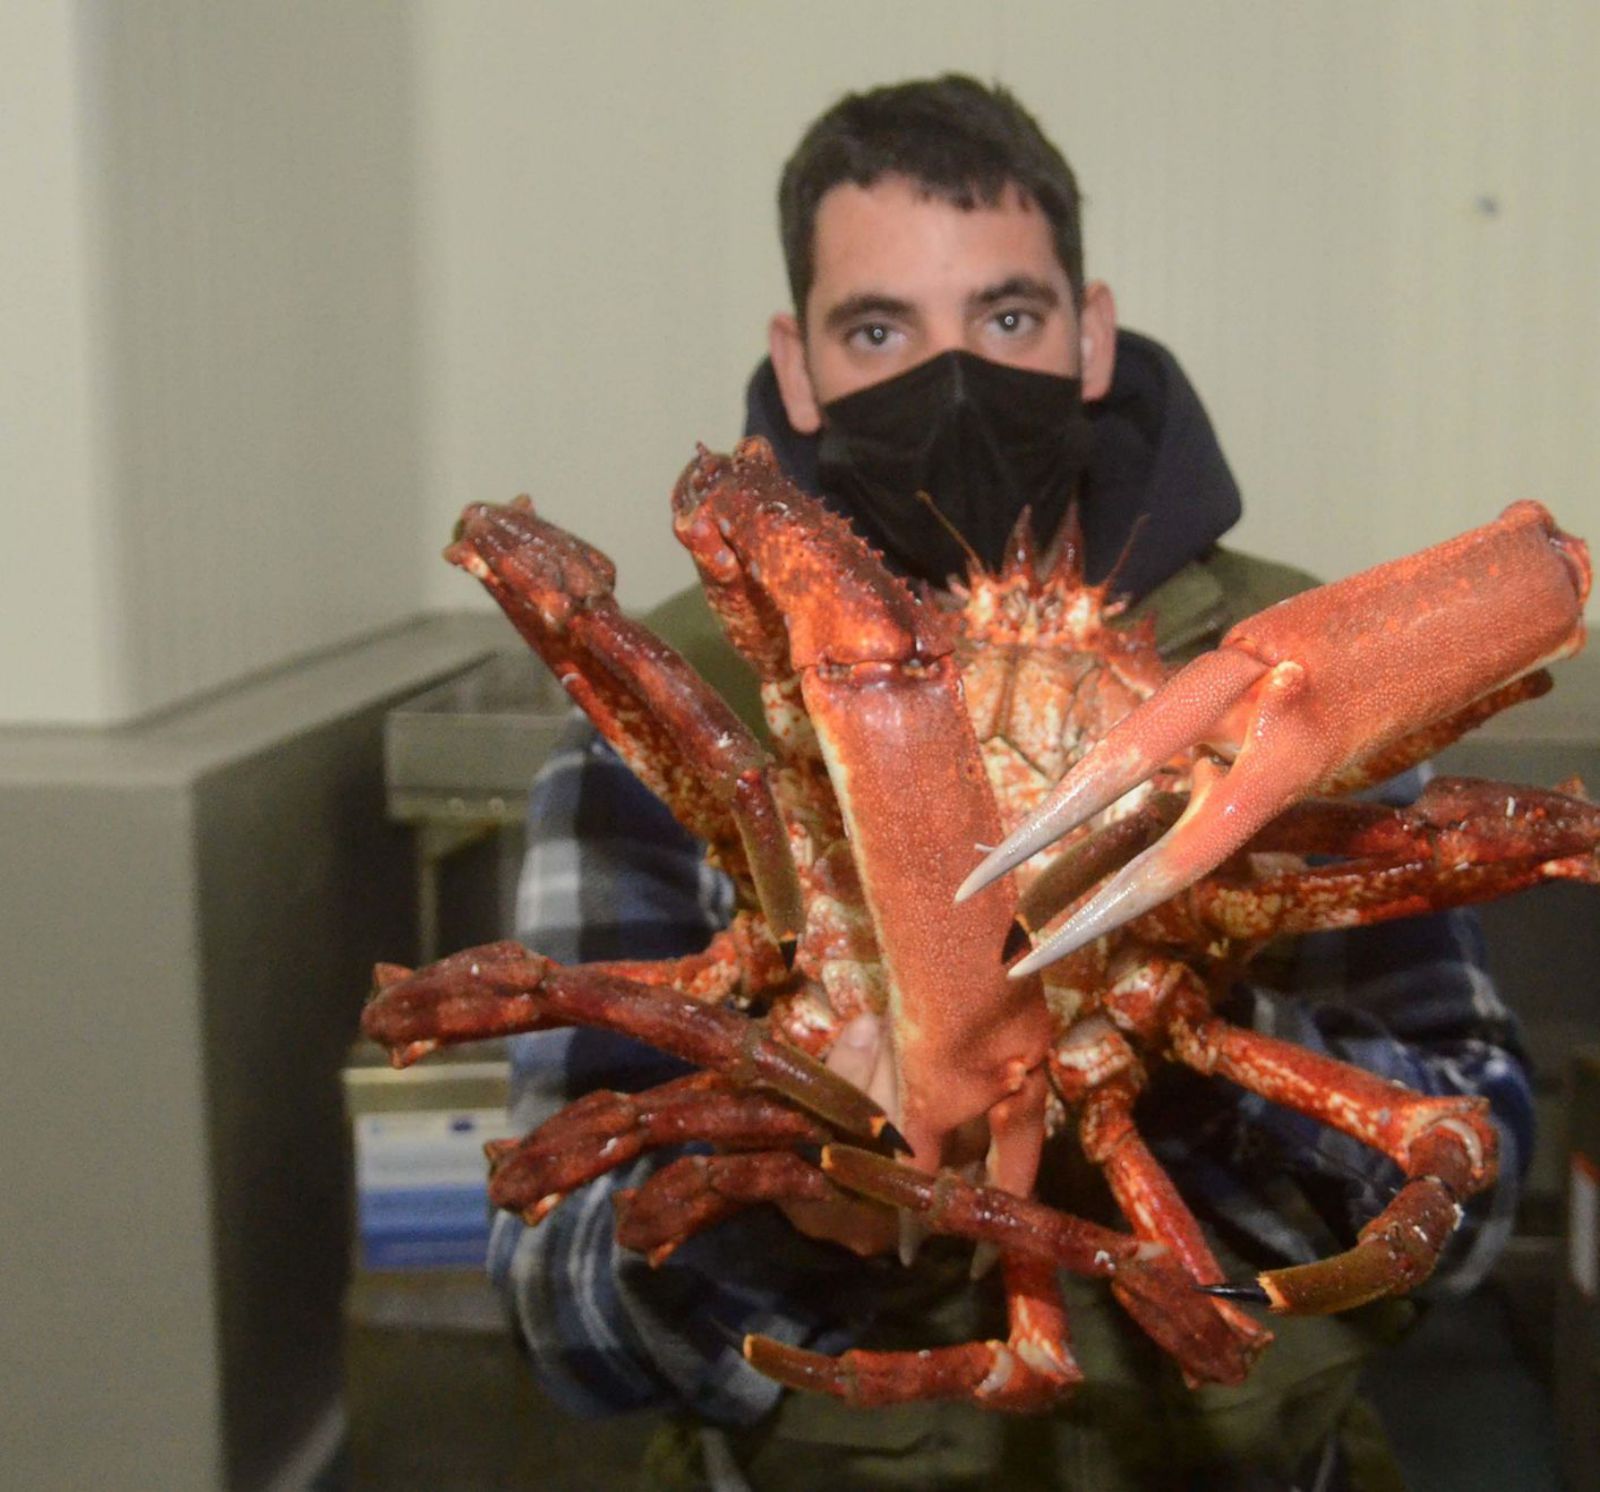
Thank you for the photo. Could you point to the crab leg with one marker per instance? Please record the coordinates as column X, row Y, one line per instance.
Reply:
column 605, row 1129
column 1096, row 1072
column 1461, row 842
column 697, row 1192
column 1446, row 1146
column 1313, row 689
column 1029, row 1372
column 1152, row 1285
column 741, row 960
column 945, row 1203
column 503, row 989
column 1453, row 821
column 1394, row 1253
column 676, row 733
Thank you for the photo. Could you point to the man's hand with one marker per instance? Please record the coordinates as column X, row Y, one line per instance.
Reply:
column 863, row 1057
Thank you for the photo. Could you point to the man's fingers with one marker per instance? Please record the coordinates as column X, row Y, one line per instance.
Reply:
column 881, row 1085
column 857, row 1051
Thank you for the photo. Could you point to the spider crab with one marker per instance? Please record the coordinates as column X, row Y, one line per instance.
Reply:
column 907, row 729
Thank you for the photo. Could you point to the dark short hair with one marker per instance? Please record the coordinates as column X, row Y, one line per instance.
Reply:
column 955, row 138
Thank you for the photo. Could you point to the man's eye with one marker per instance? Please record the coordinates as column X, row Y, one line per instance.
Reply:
column 872, row 334
column 1015, row 322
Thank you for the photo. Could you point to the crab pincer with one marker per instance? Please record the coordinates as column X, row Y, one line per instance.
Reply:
column 875, row 670
column 1329, row 690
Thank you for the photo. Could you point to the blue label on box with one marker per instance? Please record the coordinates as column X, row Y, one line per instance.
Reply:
column 422, row 1199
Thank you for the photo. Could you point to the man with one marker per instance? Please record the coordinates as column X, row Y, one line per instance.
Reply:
column 944, row 339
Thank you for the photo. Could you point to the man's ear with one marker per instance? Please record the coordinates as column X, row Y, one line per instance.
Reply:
column 787, row 344
column 1097, row 326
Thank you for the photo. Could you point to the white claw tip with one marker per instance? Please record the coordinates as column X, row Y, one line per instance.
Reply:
column 1041, row 958
column 975, row 882
column 1069, row 939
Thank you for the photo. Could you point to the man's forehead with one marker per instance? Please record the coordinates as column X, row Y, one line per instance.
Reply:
column 895, row 236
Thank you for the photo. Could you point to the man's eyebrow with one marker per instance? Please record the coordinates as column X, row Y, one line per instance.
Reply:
column 1016, row 287
column 870, row 303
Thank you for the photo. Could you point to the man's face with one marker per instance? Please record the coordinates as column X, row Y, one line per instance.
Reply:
column 901, row 277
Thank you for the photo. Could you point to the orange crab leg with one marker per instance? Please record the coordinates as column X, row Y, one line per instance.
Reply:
column 741, row 960
column 1447, row 1147
column 1030, row 1372
column 1314, row 691
column 605, row 1129
column 1095, row 1071
column 1144, row 1192
column 1396, row 1252
column 947, row 1204
column 502, row 990
column 1152, row 1285
column 1461, row 842
column 676, row 732
column 697, row 1192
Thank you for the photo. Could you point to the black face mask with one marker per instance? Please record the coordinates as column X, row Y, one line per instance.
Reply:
column 981, row 439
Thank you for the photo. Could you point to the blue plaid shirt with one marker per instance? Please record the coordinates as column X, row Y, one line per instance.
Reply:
column 610, row 874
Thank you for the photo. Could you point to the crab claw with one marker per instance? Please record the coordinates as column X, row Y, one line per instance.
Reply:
column 1334, row 688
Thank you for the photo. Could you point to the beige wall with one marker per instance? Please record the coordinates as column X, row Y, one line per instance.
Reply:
column 210, row 406
column 54, row 570
column 1369, row 231
column 301, row 279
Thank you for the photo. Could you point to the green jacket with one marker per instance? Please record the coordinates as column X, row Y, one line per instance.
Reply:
column 1192, row 610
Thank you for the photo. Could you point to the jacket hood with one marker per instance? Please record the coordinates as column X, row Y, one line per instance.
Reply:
column 1156, row 459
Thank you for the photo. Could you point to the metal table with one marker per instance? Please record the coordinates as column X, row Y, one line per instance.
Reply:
column 459, row 759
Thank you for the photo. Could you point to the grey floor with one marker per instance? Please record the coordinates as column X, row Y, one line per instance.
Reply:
column 457, row 1412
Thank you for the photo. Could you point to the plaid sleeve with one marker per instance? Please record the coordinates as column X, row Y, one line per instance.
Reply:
column 1410, row 1000
column 609, row 873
